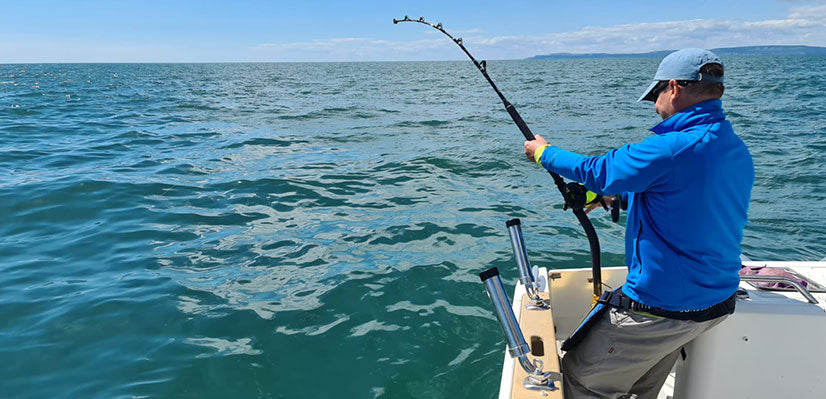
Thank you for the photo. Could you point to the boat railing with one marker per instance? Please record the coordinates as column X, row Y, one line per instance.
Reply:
column 782, row 279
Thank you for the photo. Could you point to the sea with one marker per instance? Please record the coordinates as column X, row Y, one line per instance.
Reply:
column 316, row 230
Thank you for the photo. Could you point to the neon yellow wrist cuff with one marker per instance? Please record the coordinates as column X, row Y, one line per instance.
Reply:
column 537, row 154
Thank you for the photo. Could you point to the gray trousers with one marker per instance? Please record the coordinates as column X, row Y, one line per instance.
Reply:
column 627, row 354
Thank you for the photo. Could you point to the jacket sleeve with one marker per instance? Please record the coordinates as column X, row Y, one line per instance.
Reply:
column 632, row 168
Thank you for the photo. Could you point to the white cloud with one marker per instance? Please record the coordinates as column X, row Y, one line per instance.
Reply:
column 804, row 25
column 816, row 12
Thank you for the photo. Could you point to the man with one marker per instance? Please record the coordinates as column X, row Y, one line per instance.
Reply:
column 688, row 188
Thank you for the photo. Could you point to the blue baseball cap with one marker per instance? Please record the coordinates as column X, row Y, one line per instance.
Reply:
column 684, row 65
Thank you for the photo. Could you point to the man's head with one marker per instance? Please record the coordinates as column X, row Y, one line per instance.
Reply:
column 685, row 78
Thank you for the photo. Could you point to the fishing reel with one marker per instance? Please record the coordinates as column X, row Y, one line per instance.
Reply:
column 578, row 197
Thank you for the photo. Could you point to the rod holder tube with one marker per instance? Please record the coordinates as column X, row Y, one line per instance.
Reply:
column 517, row 347
column 504, row 313
column 526, row 277
column 519, row 252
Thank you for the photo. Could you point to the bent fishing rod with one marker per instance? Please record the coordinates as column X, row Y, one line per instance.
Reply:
column 572, row 193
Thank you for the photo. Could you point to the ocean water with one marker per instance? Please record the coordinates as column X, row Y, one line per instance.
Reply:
column 315, row 230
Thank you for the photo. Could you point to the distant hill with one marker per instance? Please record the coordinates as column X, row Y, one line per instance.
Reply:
column 726, row 51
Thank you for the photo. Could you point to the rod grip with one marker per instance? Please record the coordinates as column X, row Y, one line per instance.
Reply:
column 523, row 127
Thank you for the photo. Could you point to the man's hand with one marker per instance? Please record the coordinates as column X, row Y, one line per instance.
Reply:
column 608, row 199
column 531, row 146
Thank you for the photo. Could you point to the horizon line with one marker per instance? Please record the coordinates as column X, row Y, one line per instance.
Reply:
column 563, row 55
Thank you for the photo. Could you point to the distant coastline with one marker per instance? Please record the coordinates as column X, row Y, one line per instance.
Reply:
column 725, row 51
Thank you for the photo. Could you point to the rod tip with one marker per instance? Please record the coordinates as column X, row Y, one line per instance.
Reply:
column 513, row 222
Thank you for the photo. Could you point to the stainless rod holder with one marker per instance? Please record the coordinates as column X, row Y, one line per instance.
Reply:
column 517, row 347
column 520, row 253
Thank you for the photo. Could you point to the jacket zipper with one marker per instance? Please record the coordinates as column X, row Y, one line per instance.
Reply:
column 639, row 234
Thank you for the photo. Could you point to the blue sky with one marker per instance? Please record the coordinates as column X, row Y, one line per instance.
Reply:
column 355, row 30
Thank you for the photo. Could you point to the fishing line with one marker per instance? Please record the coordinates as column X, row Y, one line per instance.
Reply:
column 572, row 193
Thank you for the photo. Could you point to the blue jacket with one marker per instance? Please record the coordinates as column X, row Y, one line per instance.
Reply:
column 688, row 190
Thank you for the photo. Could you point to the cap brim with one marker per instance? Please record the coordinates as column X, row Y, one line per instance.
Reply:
column 647, row 91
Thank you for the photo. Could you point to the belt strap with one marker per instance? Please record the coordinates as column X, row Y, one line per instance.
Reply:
column 618, row 300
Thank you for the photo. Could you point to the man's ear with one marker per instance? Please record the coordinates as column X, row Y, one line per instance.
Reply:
column 676, row 90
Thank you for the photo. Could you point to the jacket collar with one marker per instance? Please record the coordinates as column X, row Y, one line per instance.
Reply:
column 708, row 111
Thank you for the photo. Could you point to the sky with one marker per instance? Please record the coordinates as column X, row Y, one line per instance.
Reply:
column 34, row 31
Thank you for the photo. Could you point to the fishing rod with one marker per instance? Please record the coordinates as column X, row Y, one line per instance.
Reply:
column 574, row 194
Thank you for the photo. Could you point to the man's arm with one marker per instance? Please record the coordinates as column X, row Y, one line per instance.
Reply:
column 631, row 168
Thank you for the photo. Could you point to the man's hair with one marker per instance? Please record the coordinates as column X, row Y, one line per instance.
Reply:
column 714, row 89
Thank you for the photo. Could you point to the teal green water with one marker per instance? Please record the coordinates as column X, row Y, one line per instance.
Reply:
column 316, row 230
